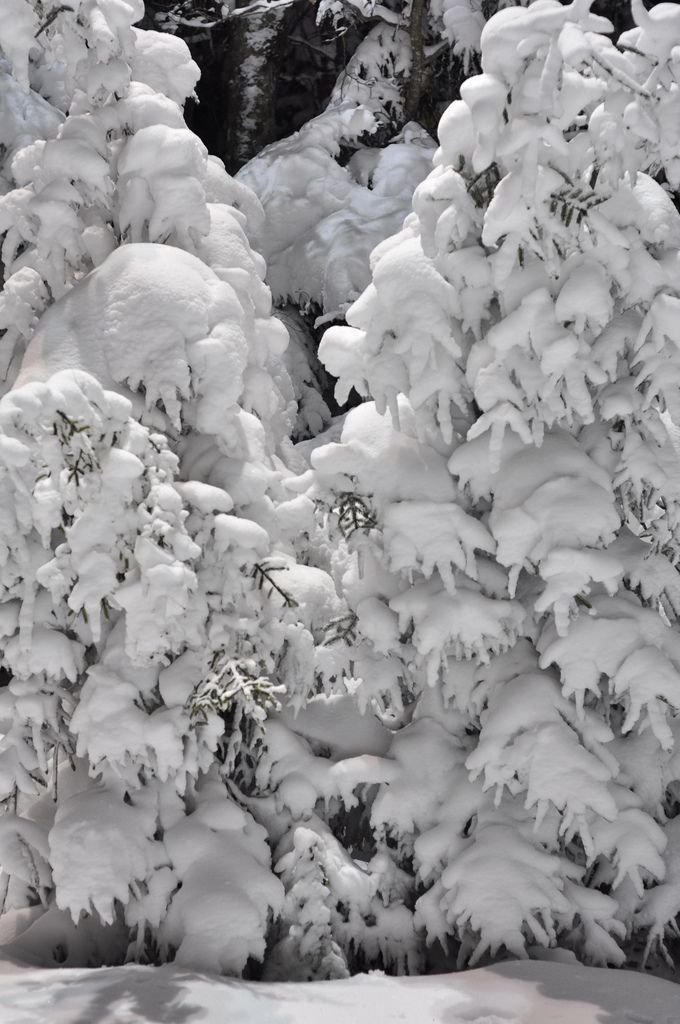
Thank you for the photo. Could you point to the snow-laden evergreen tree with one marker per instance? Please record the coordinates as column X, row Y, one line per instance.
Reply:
column 512, row 524
column 152, row 611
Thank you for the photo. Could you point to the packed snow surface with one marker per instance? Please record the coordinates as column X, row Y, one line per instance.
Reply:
column 524, row 992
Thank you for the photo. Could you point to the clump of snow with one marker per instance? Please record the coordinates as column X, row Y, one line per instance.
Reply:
column 323, row 220
column 17, row 37
column 163, row 62
column 106, row 326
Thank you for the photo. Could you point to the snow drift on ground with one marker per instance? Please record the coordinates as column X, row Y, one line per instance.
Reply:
column 524, row 992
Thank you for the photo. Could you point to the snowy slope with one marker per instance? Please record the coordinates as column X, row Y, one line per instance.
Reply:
column 512, row 993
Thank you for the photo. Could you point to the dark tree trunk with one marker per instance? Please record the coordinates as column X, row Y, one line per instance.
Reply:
column 252, row 64
column 414, row 89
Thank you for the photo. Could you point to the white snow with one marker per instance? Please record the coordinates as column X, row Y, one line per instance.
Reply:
column 17, row 36
column 107, row 326
column 162, row 61
column 524, row 992
column 323, row 220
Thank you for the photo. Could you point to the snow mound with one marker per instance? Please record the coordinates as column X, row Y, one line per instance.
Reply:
column 527, row 992
column 153, row 314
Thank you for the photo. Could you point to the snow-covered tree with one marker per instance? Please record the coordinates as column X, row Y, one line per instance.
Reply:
column 444, row 709
column 512, row 524
column 152, row 611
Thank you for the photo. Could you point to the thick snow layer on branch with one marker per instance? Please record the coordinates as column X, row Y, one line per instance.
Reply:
column 163, row 62
column 190, row 337
column 18, row 27
column 376, row 459
column 323, row 220
column 24, row 116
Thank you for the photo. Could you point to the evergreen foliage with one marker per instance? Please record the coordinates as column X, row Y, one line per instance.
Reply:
column 512, row 330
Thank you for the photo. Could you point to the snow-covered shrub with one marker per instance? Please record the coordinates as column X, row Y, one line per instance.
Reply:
column 512, row 600
column 347, row 905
